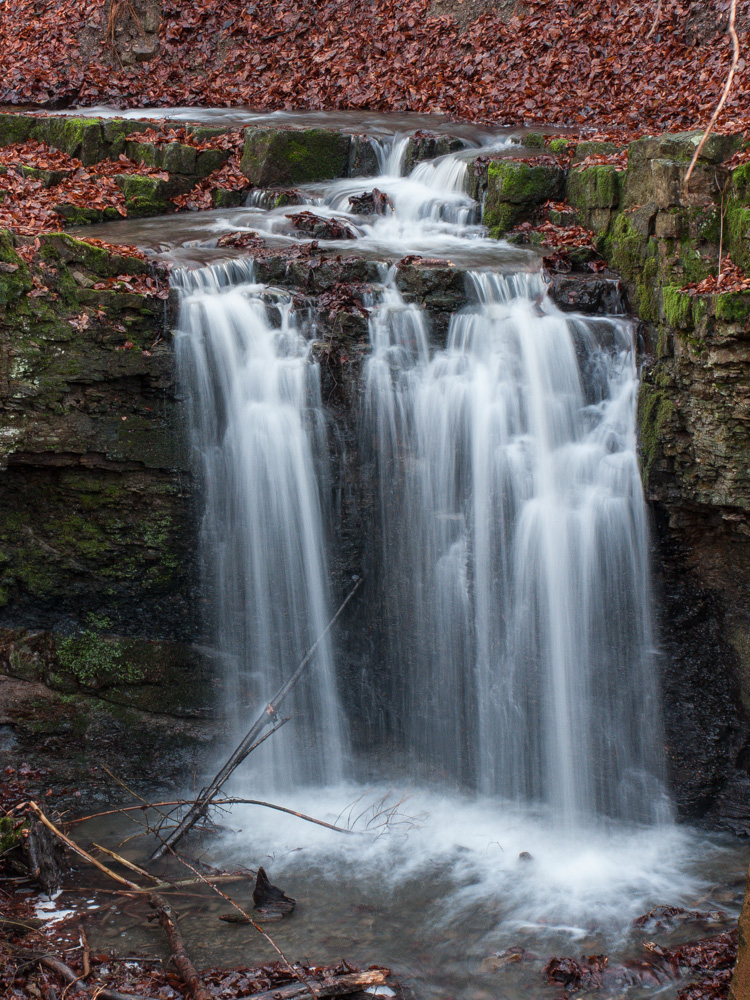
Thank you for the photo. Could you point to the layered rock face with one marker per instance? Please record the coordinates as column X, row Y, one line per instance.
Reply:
column 97, row 496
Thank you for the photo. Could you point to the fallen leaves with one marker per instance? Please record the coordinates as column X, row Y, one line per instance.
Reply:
column 731, row 279
column 581, row 65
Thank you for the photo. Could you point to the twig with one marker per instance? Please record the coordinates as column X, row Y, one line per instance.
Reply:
column 266, row 717
column 657, row 15
column 727, row 88
column 331, row 987
column 185, row 968
column 128, row 864
column 290, row 966
column 291, row 812
column 86, row 957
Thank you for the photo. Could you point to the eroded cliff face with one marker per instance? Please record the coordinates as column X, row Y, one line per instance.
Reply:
column 99, row 590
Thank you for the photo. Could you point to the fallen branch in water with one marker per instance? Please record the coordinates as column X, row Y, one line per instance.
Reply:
column 185, row 968
column 334, row 986
column 248, row 744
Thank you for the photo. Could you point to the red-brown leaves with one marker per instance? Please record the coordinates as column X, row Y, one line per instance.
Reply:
column 587, row 65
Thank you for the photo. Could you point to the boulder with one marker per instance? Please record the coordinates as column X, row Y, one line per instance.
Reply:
column 274, row 157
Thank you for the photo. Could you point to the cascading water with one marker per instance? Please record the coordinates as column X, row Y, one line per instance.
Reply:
column 508, row 700
column 259, row 435
column 515, row 550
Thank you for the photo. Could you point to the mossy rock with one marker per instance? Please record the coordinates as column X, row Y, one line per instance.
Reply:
column 78, row 137
column 737, row 233
column 80, row 215
column 515, row 188
column 625, row 247
column 223, row 198
column 279, row 157
column 656, row 424
column 50, row 178
column 678, row 307
column 733, row 307
column 145, row 195
column 593, row 187
column 114, row 132
column 209, row 160
column 429, row 147
column 94, row 259
column 17, row 128
column 590, row 148
column 16, row 280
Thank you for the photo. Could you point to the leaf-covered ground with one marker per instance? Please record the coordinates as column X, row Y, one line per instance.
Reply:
column 585, row 63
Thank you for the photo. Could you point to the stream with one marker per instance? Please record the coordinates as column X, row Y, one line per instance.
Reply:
column 513, row 794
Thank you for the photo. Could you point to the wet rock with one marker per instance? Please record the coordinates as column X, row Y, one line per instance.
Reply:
column 740, row 986
column 515, row 189
column 274, row 157
column 425, row 145
column 373, row 202
column 592, row 294
column 363, row 160
column 322, row 228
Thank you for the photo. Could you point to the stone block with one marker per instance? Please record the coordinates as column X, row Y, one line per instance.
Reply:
column 281, row 157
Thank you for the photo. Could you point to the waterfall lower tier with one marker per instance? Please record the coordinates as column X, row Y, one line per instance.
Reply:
column 259, row 438
column 512, row 553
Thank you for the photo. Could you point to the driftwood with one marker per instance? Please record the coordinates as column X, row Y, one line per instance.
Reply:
column 185, row 968
column 269, row 898
column 335, row 986
column 267, row 716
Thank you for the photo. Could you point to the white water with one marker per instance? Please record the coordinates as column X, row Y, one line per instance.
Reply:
column 259, row 433
column 514, row 551
column 510, row 556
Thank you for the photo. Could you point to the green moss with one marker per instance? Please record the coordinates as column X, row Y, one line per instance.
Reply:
column 79, row 137
column 92, row 658
column 500, row 218
column 558, row 146
column 625, row 248
column 741, row 183
column 733, row 307
column 11, row 832
column 144, row 195
column 737, row 233
column 594, row 187
column 274, row 157
column 13, row 284
column 523, row 183
column 678, row 307
column 656, row 411
column 647, row 289
column 534, row 140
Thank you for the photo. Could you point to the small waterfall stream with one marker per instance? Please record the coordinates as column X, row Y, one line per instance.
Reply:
column 259, row 433
column 515, row 554
column 510, row 795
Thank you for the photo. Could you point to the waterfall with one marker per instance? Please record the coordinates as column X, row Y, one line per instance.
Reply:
column 260, row 441
column 513, row 550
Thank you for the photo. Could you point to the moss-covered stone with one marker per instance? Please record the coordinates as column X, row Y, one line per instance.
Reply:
column 593, row 187
column 656, row 413
column 79, row 137
column 515, row 188
column 594, row 148
column 145, row 195
column 737, row 233
column 733, row 307
column 678, row 307
column 16, row 128
column 293, row 156
column 559, row 146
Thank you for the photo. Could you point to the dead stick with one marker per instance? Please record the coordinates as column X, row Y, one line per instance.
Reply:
column 76, row 849
column 128, row 864
column 267, row 716
column 185, row 968
column 331, row 987
column 86, row 957
column 725, row 94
